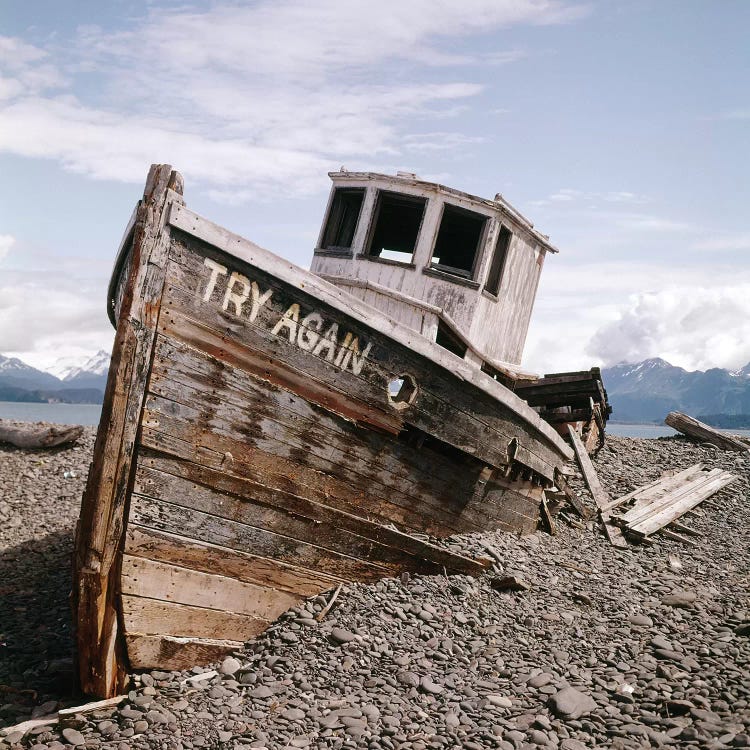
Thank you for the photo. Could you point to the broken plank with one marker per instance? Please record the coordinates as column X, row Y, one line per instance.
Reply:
column 38, row 437
column 562, row 484
column 693, row 428
column 601, row 498
column 646, row 491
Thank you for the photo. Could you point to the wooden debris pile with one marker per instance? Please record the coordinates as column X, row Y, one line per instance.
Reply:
column 636, row 516
column 658, row 505
column 570, row 398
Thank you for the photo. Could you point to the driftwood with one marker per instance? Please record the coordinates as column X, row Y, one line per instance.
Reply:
column 49, row 436
column 695, row 429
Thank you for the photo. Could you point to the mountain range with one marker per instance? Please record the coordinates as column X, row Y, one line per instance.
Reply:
column 647, row 391
column 72, row 381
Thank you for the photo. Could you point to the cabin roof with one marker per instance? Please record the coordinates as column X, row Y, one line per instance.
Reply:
column 408, row 179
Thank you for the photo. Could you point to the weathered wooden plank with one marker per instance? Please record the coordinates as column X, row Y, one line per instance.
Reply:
column 258, row 509
column 154, row 617
column 169, row 652
column 684, row 503
column 212, row 558
column 385, row 356
column 100, row 648
column 250, row 409
column 200, row 526
column 650, row 490
column 265, row 355
column 172, row 583
column 601, row 498
column 578, row 505
column 295, row 468
column 693, row 428
column 654, row 495
column 283, row 512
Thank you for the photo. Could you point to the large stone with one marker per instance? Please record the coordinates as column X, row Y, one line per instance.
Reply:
column 570, row 703
column 680, row 599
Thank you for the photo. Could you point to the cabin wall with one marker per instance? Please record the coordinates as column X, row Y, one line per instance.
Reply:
column 496, row 326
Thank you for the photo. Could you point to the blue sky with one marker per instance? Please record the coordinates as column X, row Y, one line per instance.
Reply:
column 622, row 129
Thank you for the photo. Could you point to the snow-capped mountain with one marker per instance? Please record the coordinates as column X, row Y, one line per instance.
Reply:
column 647, row 391
column 69, row 368
column 71, row 380
column 17, row 374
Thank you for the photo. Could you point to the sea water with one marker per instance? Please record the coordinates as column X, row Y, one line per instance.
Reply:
column 84, row 414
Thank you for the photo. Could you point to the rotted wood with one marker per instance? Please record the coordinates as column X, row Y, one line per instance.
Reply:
column 39, row 437
column 693, row 428
column 101, row 653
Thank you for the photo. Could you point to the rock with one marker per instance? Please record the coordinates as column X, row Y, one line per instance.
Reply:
column 428, row 686
column 501, row 701
column 682, row 599
column 73, row 736
column 640, row 621
column 230, row 666
column 340, row 635
column 743, row 629
column 570, row 703
column 410, row 679
column 509, row 583
column 262, row 691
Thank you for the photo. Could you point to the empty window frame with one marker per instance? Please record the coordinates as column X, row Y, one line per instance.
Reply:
column 498, row 261
column 342, row 218
column 458, row 241
column 395, row 227
column 448, row 340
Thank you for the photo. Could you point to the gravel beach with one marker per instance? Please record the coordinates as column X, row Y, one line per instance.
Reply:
column 597, row 647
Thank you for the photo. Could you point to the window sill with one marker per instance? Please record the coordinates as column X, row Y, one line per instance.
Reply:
column 386, row 261
column 450, row 277
column 490, row 295
column 334, row 252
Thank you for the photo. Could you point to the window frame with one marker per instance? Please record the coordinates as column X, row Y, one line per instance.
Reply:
column 460, row 274
column 375, row 216
column 324, row 249
column 495, row 294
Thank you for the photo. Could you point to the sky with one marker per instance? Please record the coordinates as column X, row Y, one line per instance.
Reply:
column 621, row 128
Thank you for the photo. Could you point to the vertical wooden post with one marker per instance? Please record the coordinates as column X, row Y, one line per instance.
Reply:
column 101, row 657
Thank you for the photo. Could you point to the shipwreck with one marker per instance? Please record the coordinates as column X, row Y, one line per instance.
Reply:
column 270, row 432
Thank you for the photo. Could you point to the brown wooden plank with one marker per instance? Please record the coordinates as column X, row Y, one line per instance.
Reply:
column 212, row 558
column 292, row 515
column 172, row 583
column 183, row 374
column 386, row 359
column 199, row 526
column 293, row 468
column 684, row 503
column 167, row 652
column 154, row 617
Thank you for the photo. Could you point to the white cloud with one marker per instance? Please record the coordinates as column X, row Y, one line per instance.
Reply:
column 6, row 243
column 261, row 97
column 693, row 327
column 723, row 242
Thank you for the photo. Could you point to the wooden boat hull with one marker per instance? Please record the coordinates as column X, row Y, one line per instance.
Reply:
column 266, row 436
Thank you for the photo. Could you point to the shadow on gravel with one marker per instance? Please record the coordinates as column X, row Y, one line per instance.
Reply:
column 36, row 645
